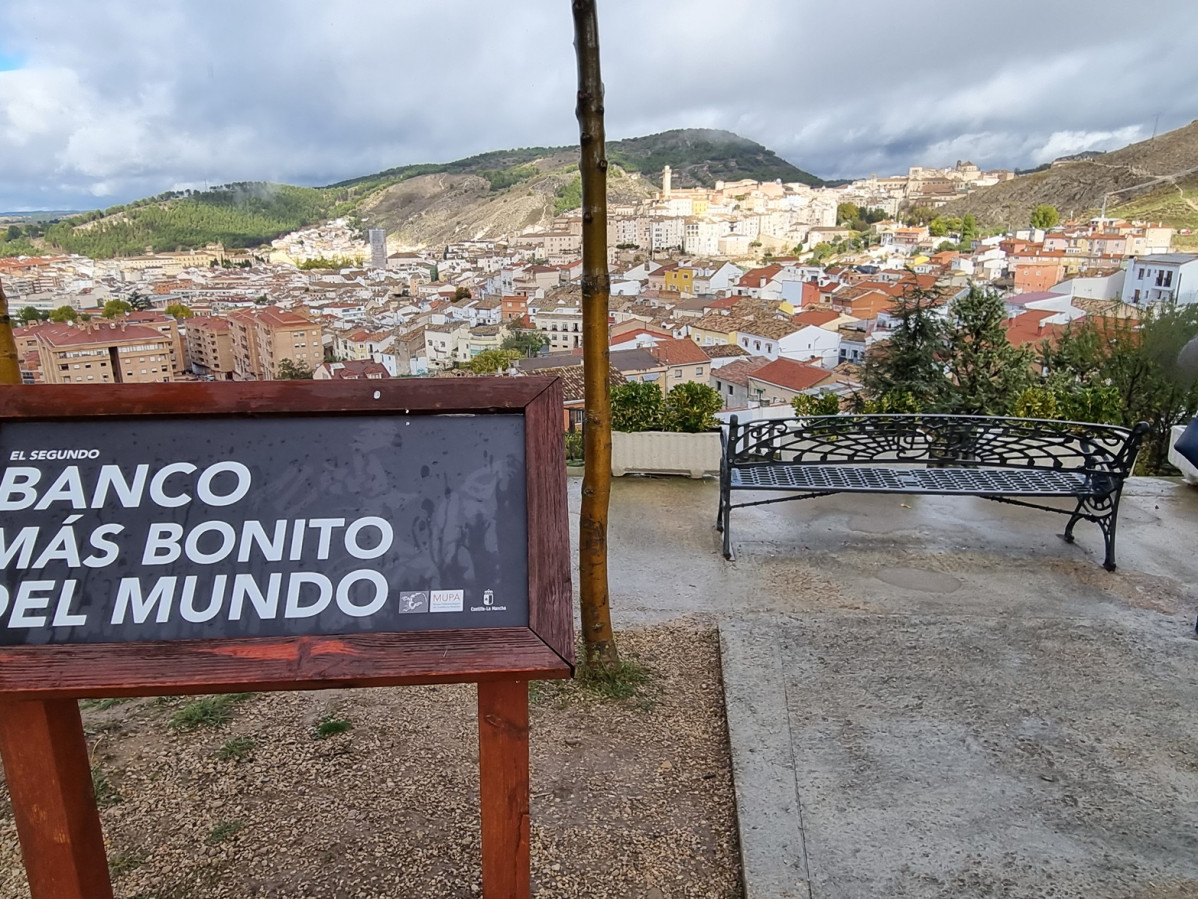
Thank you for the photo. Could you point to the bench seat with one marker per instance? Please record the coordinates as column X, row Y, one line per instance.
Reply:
column 946, row 481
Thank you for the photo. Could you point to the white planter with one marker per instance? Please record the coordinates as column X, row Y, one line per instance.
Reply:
column 665, row 452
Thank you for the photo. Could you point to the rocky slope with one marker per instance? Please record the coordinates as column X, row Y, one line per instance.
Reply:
column 1077, row 188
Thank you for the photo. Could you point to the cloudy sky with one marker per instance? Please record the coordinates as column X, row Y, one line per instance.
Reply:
column 103, row 101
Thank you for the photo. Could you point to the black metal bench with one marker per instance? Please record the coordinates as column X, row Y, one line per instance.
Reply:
column 1001, row 459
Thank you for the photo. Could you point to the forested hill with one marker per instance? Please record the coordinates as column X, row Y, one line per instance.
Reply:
column 237, row 215
column 698, row 157
column 533, row 183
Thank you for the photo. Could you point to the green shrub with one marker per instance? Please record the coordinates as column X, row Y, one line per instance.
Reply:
column 691, row 408
column 574, row 452
column 1036, row 402
column 824, row 404
column 636, row 406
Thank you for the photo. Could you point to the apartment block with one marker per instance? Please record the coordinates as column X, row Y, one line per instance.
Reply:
column 263, row 338
column 168, row 328
column 103, row 353
column 210, row 347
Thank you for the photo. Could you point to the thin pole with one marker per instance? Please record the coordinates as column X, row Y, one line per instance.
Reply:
column 10, row 362
column 598, row 639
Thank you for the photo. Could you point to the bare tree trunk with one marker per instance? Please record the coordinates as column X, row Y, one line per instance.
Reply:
column 10, row 362
column 597, row 635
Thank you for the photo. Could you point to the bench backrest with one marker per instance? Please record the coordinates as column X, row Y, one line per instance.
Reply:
column 942, row 440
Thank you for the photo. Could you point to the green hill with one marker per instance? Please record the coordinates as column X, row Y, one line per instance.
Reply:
column 483, row 195
column 238, row 215
column 697, row 156
column 701, row 157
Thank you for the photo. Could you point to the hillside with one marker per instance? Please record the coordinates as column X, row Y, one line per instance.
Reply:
column 698, row 157
column 477, row 197
column 237, row 215
column 1077, row 187
column 433, row 209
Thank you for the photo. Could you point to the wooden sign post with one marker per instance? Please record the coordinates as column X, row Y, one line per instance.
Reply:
column 208, row 538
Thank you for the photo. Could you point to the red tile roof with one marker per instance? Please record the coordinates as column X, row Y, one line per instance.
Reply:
column 678, row 352
column 1029, row 328
column 758, row 277
column 817, row 317
column 356, row 369
column 62, row 335
column 791, row 375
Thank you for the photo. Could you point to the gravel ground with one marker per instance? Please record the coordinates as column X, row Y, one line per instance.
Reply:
column 631, row 798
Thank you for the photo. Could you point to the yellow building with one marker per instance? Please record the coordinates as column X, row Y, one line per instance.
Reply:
column 681, row 280
column 714, row 329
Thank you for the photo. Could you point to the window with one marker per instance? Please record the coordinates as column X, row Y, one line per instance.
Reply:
column 678, row 373
column 698, row 371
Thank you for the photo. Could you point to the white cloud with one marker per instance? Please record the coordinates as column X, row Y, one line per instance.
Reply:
column 126, row 99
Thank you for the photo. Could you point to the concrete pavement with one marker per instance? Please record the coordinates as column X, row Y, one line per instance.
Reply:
column 934, row 696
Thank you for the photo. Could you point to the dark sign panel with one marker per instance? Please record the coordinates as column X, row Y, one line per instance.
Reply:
column 150, row 529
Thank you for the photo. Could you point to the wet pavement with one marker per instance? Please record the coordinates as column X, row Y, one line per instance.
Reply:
column 938, row 696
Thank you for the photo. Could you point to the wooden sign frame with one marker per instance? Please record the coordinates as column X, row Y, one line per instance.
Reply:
column 41, row 736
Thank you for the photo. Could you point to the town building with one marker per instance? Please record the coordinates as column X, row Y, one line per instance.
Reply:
column 377, row 238
column 210, row 347
column 264, row 337
column 1164, row 278
column 103, row 353
column 356, row 370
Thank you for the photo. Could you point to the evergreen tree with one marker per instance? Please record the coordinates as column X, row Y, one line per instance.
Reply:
column 1122, row 372
column 909, row 363
column 986, row 374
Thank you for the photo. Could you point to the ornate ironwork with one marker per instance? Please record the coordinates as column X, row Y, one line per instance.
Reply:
column 991, row 457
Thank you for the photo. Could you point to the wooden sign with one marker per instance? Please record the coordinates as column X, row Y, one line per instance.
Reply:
column 280, row 535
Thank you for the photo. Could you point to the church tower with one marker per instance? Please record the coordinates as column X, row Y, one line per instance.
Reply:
column 665, row 183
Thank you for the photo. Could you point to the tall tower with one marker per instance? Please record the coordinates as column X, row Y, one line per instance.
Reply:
column 378, row 247
column 665, row 182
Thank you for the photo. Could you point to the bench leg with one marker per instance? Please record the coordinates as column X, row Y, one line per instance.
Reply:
column 724, row 521
column 1104, row 512
column 1073, row 519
